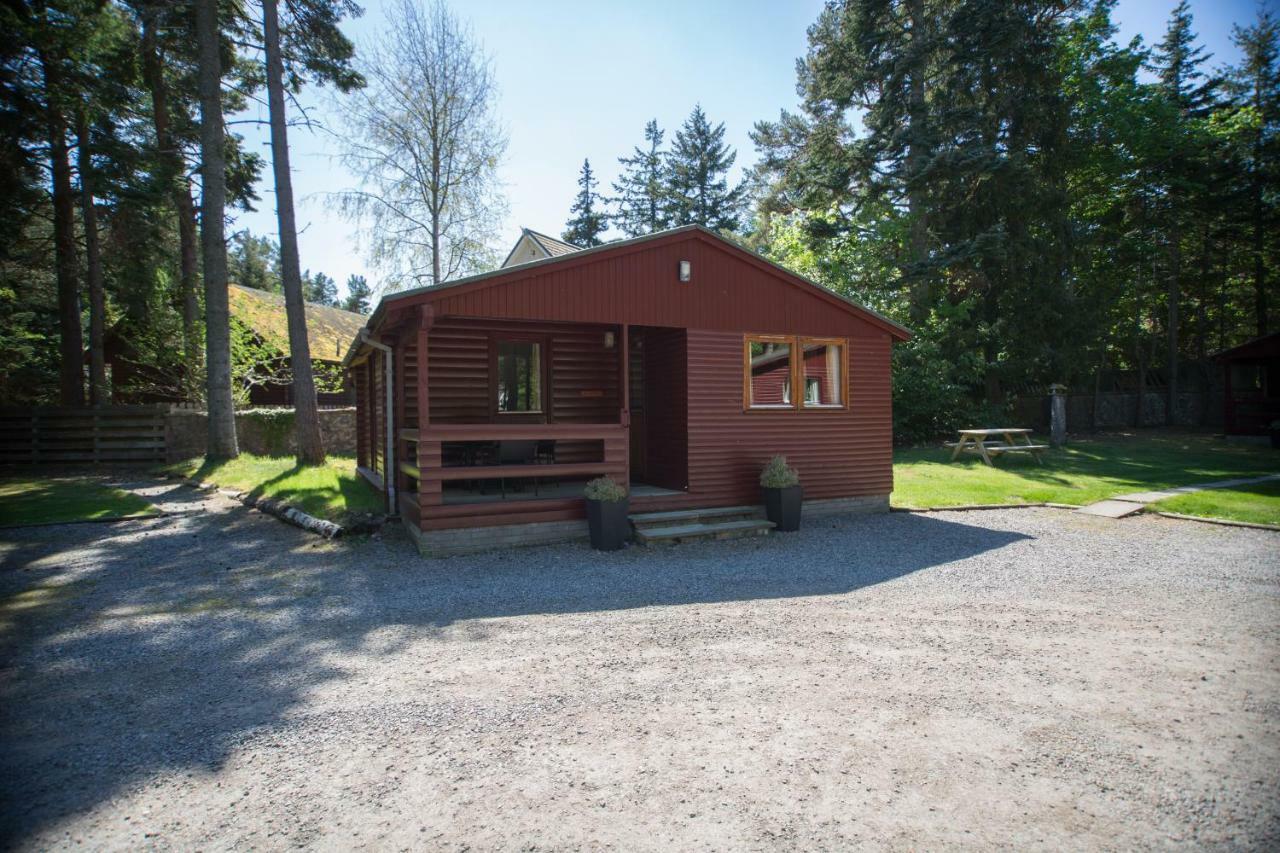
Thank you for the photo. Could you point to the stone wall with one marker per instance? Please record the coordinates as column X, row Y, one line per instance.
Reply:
column 1117, row 410
column 266, row 432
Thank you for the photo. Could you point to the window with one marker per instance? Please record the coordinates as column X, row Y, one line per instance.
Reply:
column 769, row 370
column 774, row 364
column 519, row 376
column 823, row 373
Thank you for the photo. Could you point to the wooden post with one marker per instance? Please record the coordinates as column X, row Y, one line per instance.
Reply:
column 624, row 415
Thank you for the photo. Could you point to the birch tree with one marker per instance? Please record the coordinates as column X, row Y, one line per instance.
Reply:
column 424, row 142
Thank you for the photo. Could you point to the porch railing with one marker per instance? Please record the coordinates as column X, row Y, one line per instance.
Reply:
column 431, row 474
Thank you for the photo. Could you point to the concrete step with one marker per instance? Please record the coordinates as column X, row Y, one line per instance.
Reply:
column 692, row 532
column 695, row 516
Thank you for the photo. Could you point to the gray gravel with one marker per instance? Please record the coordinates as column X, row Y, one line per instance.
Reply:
column 1032, row 677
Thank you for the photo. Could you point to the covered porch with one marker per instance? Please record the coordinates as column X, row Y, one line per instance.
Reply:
column 502, row 422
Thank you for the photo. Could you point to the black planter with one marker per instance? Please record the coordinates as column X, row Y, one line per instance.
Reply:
column 608, row 523
column 782, row 507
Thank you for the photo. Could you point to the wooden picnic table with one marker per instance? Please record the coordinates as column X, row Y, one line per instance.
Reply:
column 992, row 442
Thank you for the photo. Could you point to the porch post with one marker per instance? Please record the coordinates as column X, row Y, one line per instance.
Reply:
column 428, row 451
column 624, row 415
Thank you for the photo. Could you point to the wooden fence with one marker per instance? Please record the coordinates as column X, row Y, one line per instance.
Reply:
column 109, row 435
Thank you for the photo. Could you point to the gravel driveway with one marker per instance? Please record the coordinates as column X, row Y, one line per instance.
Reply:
column 1033, row 677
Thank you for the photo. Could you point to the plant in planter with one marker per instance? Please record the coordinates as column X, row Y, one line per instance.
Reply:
column 606, row 514
column 782, row 494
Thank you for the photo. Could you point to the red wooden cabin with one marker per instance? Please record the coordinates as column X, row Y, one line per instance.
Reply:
column 672, row 362
column 1251, row 385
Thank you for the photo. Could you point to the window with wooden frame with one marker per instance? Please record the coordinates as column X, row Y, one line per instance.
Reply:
column 518, row 377
column 793, row 372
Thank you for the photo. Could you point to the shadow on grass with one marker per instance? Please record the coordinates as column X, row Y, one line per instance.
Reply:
column 158, row 647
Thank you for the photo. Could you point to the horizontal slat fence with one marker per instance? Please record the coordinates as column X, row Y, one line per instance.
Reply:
column 108, row 435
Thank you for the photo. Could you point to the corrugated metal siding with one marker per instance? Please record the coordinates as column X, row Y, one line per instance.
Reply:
column 839, row 453
column 640, row 287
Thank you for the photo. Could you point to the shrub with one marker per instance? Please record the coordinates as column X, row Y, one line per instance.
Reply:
column 604, row 489
column 778, row 474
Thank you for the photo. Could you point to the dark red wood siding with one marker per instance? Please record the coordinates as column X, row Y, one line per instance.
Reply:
column 839, row 452
column 730, row 290
column 697, row 431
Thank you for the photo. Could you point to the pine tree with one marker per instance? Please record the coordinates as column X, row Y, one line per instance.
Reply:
column 588, row 220
column 1192, row 95
column 319, row 48
column 319, row 289
column 642, row 200
column 698, row 176
column 359, row 295
column 1255, row 85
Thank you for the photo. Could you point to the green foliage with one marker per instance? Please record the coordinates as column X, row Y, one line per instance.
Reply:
column 698, row 176
column 604, row 489
column 319, row 289
column 777, row 474
column 275, row 425
column 359, row 295
column 254, row 261
column 642, row 202
column 1023, row 197
column 588, row 220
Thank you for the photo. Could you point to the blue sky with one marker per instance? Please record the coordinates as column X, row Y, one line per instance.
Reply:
column 580, row 79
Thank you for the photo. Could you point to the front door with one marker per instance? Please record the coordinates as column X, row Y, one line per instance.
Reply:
column 638, row 433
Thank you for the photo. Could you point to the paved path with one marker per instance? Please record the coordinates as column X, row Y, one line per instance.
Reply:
column 1125, row 505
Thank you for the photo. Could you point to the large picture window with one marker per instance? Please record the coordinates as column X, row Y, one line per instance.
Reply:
column 519, row 376
column 792, row 372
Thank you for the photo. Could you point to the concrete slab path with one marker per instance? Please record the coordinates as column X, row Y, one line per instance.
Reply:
column 1121, row 506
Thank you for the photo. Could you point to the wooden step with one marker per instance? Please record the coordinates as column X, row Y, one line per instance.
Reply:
column 679, row 517
column 693, row 532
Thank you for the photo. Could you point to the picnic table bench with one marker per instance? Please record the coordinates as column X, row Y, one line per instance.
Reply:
column 992, row 442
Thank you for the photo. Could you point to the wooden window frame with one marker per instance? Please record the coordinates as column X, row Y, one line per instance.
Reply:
column 543, row 415
column 796, row 373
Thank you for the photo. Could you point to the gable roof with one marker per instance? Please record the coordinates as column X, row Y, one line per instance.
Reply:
column 1262, row 347
column 493, row 277
column 329, row 330
column 549, row 246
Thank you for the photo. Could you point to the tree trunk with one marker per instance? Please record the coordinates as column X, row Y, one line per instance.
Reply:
column 918, row 238
column 306, row 418
column 222, row 417
column 176, row 167
column 71, row 337
column 99, row 393
column 1175, row 297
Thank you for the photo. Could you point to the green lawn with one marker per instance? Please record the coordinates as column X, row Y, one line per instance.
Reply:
column 1087, row 470
column 29, row 500
column 333, row 490
column 1258, row 503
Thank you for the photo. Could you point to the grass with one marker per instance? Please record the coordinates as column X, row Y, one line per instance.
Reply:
column 1258, row 503
column 333, row 491
column 30, row 500
column 1085, row 471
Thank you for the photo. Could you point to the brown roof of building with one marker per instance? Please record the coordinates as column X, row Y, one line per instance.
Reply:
column 553, row 247
column 329, row 330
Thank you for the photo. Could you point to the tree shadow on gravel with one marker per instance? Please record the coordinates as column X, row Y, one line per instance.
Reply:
column 155, row 647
